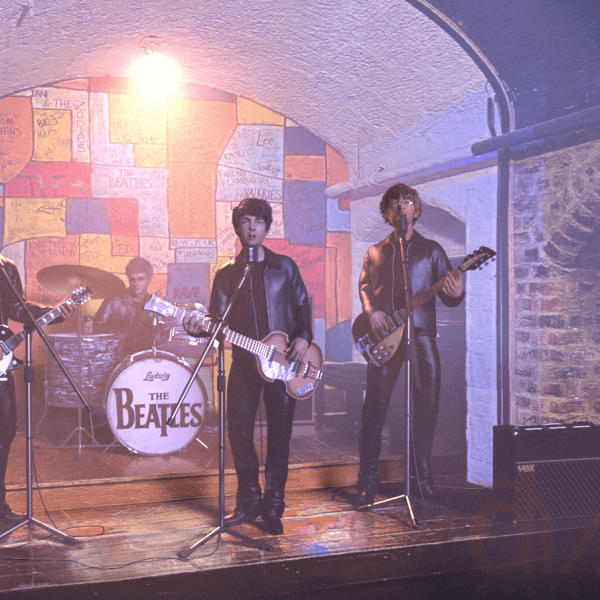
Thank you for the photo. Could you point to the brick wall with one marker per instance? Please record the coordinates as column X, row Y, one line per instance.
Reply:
column 556, row 287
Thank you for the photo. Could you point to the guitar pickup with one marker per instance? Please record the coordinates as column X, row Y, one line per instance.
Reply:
column 294, row 367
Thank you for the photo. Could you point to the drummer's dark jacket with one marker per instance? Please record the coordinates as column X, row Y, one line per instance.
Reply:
column 116, row 315
column 427, row 264
column 288, row 309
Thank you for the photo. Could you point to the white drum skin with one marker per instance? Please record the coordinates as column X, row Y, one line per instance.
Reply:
column 140, row 397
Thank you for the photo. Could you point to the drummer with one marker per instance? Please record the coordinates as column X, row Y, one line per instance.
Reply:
column 124, row 315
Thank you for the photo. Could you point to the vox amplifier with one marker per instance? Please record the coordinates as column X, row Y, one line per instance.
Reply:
column 548, row 471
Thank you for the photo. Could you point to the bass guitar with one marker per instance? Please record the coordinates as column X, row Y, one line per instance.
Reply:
column 378, row 347
column 300, row 378
column 9, row 341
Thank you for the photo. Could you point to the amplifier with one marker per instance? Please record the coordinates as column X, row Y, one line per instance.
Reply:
column 548, row 471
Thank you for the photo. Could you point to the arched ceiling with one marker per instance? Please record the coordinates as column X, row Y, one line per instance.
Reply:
column 365, row 76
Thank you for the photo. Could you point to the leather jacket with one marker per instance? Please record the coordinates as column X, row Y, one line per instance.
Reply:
column 287, row 300
column 10, row 308
column 427, row 263
column 115, row 315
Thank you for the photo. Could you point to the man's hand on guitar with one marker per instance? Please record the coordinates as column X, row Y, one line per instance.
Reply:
column 296, row 350
column 380, row 321
column 67, row 311
column 192, row 323
column 453, row 286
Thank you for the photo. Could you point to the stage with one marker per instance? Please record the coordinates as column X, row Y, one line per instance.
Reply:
column 130, row 532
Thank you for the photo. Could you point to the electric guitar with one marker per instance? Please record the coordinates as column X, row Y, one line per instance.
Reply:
column 378, row 347
column 9, row 341
column 300, row 378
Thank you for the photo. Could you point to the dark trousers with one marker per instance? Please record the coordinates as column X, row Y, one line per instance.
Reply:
column 8, row 429
column 380, row 385
column 243, row 395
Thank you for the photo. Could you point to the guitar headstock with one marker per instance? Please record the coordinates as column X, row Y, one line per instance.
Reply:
column 81, row 295
column 164, row 308
column 477, row 259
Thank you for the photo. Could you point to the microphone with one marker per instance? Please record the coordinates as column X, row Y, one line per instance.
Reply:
column 403, row 225
column 252, row 255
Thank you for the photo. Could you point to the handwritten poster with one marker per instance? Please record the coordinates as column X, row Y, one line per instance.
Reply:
column 52, row 135
column 16, row 136
column 255, row 149
column 199, row 129
column 77, row 102
column 305, row 168
column 191, row 199
column 148, row 186
column 33, row 218
column 151, row 155
column 103, row 151
column 226, row 237
column 277, row 228
column 233, row 185
column 196, row 255
column 87, row 215
column 305, row 212
column 157, row 251
column 125, row 245
column 132, row 121
column 189, row 283
column 124, row 215
column 52, row 180
column 95, row 251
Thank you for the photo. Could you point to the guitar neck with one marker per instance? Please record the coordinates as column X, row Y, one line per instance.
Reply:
column 16, row 339
column 434, row 289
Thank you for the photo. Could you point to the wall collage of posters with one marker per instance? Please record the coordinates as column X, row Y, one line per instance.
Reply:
column 92, row 174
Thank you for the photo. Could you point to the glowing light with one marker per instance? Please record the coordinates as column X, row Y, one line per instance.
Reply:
column 155, row 77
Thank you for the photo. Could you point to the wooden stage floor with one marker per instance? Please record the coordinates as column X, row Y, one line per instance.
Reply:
column 328, row 550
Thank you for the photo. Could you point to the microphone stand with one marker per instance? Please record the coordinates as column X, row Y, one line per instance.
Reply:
column 29, row 326
column 411, row 366
column 221, row 388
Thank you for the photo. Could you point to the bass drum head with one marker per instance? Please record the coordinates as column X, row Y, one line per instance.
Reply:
column 140, row 397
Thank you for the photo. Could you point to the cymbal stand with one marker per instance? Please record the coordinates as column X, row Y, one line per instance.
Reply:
column 221, row 387
column 411, row 366
column 79, row 429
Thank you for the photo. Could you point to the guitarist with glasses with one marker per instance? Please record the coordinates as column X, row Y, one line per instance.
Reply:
column 273, row 298
column 11, row 309
column 381, row 288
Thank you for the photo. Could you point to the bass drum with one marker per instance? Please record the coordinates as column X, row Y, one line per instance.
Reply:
column 140, row 397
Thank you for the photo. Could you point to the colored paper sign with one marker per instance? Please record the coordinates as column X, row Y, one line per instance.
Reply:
column 252, row 113
column 16, row 136
column 305, row 168
column 148, row 186
column 157, row 251
column 52, row 180
column 191, row 199
column 33, row 218
column 124, row 215
column 277, row 230
column 103, row 152
column 196, row 255
column 52, row 135
column 226, row 237
column 193, row 243
column 340, row 275
column 95, row 250
column 151, row 155
column 233, row 185
column 132, row 120
column 199, row 129
column 255, row 149
column 305, row 214
column 77, row 102
column 189, row 283
column 42, row 253
column 311, row 262
column 125, row 245
column 87, row 215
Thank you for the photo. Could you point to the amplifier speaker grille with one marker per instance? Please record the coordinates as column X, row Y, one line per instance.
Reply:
column 549, row 472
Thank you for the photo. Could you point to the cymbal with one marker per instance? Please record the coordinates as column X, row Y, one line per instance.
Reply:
column 63, row 279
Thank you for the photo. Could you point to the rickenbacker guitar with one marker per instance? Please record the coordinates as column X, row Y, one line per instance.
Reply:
column 300, row 378
column 378, row 348
column 9, row 341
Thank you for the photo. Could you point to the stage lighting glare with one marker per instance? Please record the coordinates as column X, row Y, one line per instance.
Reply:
column 155, row 77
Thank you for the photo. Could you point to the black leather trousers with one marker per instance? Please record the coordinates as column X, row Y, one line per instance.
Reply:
column 243, row 395
column 8, row 429
column 380, row 385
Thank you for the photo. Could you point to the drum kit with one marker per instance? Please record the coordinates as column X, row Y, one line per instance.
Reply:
column 135, row 396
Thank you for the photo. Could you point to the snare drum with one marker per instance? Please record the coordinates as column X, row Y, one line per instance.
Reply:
column 97, row 363
column 140, row 397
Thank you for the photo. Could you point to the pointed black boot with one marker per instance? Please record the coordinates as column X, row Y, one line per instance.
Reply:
column 272, row 511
